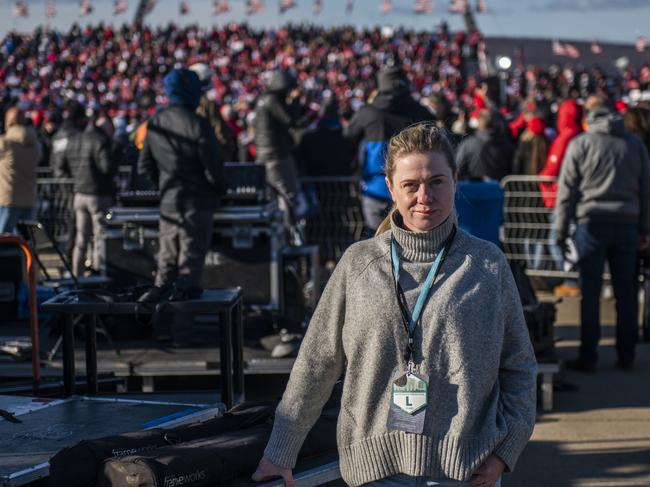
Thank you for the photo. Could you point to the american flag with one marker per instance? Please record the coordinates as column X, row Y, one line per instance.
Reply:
column 481, row 6
column 458, row 6
column 558, row 48
column 21, row 9
column 641, row 43
column 220, row 7
column 423, row 6
column 386, row 6
column 254, row 6
column 349, row 6
column 50, row 9
column 184, row 8
column 85, row 8
column 318, row 6
column 286, row 5
column 120, row 7
column 571, row 50
column 595, row 47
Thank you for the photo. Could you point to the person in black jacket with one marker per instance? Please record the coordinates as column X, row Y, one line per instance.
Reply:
column 74, row 122
column 181, row 155
column 322, row 150
column 488, row 154
column 392, row 110
column 87, row 159
column 273, row 140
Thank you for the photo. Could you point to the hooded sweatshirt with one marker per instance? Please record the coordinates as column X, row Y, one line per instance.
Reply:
column 20, row 153
column 605, row 176
column 390, row 112
column 569, row 124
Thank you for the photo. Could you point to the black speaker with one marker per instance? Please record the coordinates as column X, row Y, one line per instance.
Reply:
column 11, row 276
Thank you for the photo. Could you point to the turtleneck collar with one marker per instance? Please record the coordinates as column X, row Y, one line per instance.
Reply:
column 420, row 246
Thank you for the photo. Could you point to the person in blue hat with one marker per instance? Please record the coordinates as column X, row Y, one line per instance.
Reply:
column 181, row 155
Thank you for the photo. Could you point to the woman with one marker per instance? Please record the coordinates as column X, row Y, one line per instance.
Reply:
column 447, row 399
column 532, row 149
column 637, row 121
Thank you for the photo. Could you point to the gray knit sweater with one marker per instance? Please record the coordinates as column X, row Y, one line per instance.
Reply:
column 472, row 342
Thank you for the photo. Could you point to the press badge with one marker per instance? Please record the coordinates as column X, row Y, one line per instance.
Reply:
column 408, row 404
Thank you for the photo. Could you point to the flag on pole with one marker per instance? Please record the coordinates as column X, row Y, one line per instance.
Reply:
column 641, row 43
column 254, row 6
column 85, row 8
column 120, row 7
column 318, row 6
column 571, row 50
column 349, row 6
column 458, row 6
column 286, row 5
column 481, row 6
column 21, row 9
column 386, row 6
column 423, row 6
column 595, row 47
column 220, row 7
column 558, row 48
column 50, row 9
column 184, row 8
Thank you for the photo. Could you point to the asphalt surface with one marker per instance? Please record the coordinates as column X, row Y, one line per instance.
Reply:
column 599, row 431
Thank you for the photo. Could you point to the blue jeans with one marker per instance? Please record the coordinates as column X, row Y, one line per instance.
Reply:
column 617, row 243
column 10, row 215
column 403, row 480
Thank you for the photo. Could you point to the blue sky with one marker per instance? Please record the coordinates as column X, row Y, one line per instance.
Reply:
column 606, row 20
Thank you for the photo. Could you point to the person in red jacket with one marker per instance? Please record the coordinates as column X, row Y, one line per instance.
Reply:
column 569, row 124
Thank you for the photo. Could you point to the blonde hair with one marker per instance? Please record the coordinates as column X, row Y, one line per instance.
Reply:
column 420, row 138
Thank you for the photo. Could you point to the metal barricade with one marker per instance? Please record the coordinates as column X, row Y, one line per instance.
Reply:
column 528, row 236
column 54, row 205
column 336, row 221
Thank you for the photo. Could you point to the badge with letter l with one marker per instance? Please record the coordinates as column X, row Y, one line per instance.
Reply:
column 408, row 402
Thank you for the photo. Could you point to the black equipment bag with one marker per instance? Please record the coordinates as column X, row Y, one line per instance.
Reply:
column 78, row 466
column 212, row 461
column 540, row 316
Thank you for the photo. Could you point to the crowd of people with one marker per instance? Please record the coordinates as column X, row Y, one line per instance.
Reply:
column 118, row 72
column 311, row 97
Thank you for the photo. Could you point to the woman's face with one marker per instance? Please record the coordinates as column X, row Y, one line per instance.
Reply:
column 423, row 189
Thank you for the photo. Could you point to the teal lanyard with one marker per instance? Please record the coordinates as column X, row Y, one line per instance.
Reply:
column 411, row 319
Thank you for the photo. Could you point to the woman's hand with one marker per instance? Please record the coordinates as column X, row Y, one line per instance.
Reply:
column 267, row 471
column 488, row 473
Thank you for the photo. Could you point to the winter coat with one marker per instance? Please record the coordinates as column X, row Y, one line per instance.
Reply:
column 181, row 155
column 89, row 159
column 375, row 123
column 273, row 120
column 20, row 153
column 605, row 177
column 59, row 143
column 323, row 151
column 486, row 154
column 569, row 124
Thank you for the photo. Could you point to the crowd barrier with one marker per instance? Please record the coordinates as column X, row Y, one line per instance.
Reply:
column 527, row 233
column 54, row 205
column 337, row 221
column 333, row 217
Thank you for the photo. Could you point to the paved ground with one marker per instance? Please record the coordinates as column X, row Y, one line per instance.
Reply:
column 598, row 435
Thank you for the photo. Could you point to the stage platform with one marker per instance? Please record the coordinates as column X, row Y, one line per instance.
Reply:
column 147, row 360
